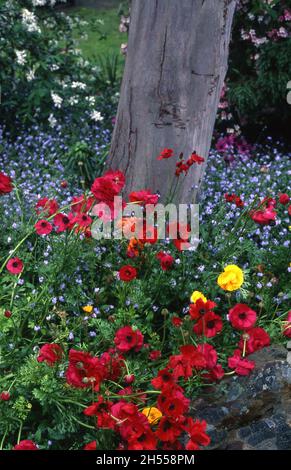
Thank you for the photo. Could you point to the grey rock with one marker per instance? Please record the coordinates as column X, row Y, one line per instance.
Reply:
column 254, row 412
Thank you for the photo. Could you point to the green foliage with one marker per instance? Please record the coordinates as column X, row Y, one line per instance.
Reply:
column 259, row 68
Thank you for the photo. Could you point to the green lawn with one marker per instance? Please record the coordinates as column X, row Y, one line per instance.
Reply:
column 103, row 36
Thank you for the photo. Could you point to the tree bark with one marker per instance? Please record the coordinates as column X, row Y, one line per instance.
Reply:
column 175, row 68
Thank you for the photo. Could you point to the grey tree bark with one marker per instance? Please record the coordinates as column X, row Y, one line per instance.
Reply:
column 175, row 68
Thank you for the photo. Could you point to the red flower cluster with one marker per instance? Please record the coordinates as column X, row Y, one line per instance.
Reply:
column 47, row 207
column 6, row 184
column 174, row 405
column 78, row 218
column 183, row 166
column 265, row 214
column 234, row 199
column 143, row 197
column 85, row 370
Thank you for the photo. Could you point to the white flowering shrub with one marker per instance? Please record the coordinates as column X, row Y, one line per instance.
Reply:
column 43, row 77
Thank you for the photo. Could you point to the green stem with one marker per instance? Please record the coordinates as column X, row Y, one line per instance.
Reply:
column 3, row 439
column 83, row 424
column 19, row 432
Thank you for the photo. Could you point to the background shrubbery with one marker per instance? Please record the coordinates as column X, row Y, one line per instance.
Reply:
column 259, row 70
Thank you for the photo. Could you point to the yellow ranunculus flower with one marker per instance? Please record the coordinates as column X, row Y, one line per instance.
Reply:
column 153, row 414
column 197, row 295
column 88, row 308
column 231, row 278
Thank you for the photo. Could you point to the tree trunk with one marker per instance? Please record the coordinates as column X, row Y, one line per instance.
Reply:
column 175, row 68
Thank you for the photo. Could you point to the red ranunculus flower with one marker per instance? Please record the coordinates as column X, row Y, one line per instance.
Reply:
column 122, row 410
column 43, row 227
column 209, row 325
column 258, row 339
column 146, row 441
column 5, row 184
column 234, row 198
column 163, row 380
column 113, row 364
column 166, row 260
column 46, row 206
column 91, row 446
column 117, row 178
column 196, row 431
column 127, row 339
column 50, row 353
column 107, row 186
column 127, row 273
column 264, row 216
column 15, row 266
column 85, row 370
column 166, row 153
column 284, row 199
column 4, row 396
column 240, row 365
column 83, row 220
column 184, row 363
column 195, row 158
column 143, row 197
column 169, row 429
column 63, row 222
column 209, row 354
column 215, row 374
column 229, row 197
column 242, row 317
column 287, row 326
column 25, row 445
column 200, row 308
column 102, row 410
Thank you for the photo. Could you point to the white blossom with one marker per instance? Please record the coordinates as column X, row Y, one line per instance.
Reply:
column 21, row 57
column 52, row 120
column 96, row 116
column 56, row 99
column 29, row 21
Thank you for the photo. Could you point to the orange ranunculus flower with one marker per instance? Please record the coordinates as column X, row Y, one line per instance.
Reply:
column 153, row 414
column 231, row 279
